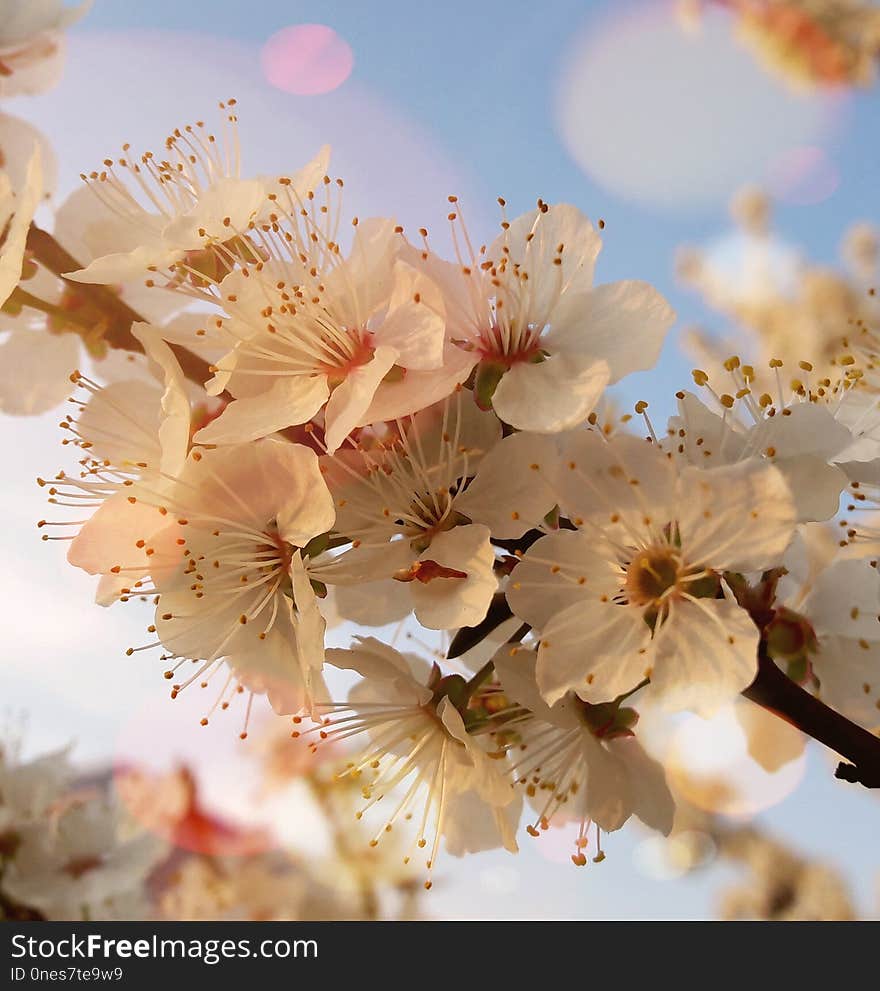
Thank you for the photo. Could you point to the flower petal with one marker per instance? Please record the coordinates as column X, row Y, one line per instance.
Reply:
column 735, row 518
column 849, row 677
column 624, row 479
column 560, row 570
column 351, row 399
column 290, row 400
column 597, row 649
column 17, row 211
column 621, row 323
column 35, row 370
column 448, row 603
column 414, row 324
column 845, row 601
column 551, row 395
column 706, row 653
column 514, row 488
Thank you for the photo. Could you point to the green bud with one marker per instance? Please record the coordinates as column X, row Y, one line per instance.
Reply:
column 489, row 374
column 453, row 687
column 790, row 639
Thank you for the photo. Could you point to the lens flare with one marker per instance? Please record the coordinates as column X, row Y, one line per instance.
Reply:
column 677, row 120
column 307, row 59
column 803, row 176
column 709, row 764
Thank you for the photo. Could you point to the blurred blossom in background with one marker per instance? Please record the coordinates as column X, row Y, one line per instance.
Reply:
column 649, row 115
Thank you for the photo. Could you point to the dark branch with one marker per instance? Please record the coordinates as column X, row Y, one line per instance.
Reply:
column 118, row 335
column 469, row 636
column 775, row 691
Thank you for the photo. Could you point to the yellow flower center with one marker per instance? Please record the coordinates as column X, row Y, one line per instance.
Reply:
column 651, row 574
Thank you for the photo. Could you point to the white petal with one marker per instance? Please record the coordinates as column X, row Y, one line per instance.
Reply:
column 257, row 483
column 366, row 565
column 803, row 428
column 845, row 601
column 448, row 603
column 484, row 776
column 514, row 487
column 307, row 179
column 558, row 571
column 551, row 395
column 351, row 399
column 361, row 286
column 290, row 400
column 849, row 676
column 735, row 518
column 607, row 798
column 709, row 439
column 17, row 141
column 414, row 324
column 308, row 623
column 273, row 666
column 622, row 323
column 21, row 207
column 37, row 66
column 90, row 228
column 458, row 426
column 532, row 242
column 516, row 669
column 110, row 587
column 651, row 799
column 370, row 603
column 124, row 266
column 706, row 653
column 174, row 430
column 815, row 486
column 597, row 649
column 237, row 200
column 417, row 390
column 376, row 662
column 35, row 370
column 24, row 21
column 772, row 742
column 470, row 825
column 625, row 477
column 121, row 422
column 110, row 539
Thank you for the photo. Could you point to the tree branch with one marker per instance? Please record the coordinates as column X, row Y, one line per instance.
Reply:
column 58, row 260
column 773, row 690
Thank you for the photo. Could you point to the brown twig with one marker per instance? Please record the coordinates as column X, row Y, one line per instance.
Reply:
column 773, row 690
column 121, row 316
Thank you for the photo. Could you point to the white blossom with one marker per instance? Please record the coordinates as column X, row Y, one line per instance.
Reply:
column 421, row 504
column 637, row 591
column 545, row 341
column 577, row 763
column 419, row 744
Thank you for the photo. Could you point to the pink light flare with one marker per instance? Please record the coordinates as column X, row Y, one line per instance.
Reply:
column 306, row 59
column 803, row 176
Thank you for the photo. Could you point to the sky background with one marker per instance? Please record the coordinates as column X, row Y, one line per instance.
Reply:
column 609, row 106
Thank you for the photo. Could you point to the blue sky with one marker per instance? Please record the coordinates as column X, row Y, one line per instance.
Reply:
column 464, row 93
column 483, row 79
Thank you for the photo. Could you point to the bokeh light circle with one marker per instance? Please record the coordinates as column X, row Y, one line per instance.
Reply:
column 676, row 119
column 708, row 763
column 306, row 59
column 669, row 858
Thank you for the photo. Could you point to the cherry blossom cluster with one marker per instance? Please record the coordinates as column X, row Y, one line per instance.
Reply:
column 140, row 845
column 68, row 851
column 292, row 423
